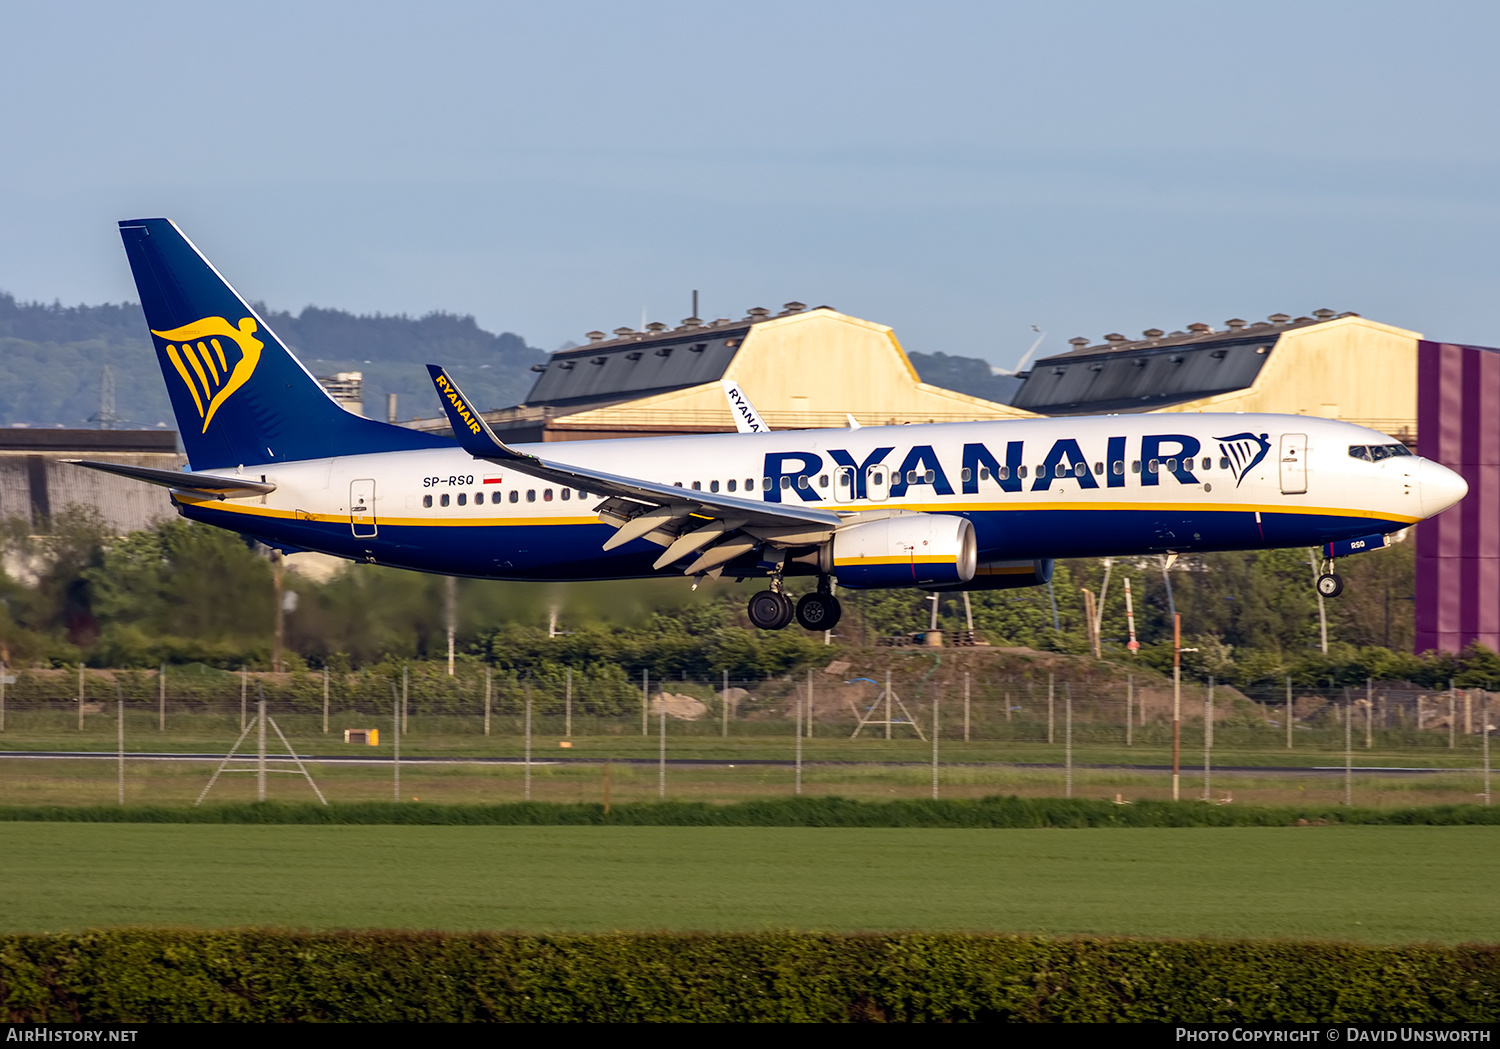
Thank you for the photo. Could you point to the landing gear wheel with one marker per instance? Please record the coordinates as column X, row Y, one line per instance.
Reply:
column 1330, row 585
column 819, row 611
column 769, row 610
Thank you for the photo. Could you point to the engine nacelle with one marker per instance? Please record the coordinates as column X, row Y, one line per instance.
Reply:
column 1007, row 575
column 923, row 550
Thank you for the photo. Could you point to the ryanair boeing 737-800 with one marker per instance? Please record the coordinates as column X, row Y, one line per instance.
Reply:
column 949, row 506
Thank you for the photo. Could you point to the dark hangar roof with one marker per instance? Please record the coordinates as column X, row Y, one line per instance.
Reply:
column 1157, row 370
column 637, row 364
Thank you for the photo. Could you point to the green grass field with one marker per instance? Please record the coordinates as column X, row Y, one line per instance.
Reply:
column 1371, row 884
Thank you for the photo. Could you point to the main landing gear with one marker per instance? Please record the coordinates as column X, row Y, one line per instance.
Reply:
column 771, row 609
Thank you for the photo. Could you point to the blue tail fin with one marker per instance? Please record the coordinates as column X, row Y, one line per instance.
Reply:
column 239, row 396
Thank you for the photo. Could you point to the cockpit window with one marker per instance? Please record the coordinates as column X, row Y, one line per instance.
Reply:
column 1373, row 453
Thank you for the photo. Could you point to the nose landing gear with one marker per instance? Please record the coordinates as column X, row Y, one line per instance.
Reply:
column 1329, row 583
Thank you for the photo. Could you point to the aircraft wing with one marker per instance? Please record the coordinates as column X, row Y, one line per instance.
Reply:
column 215, row 485
column 684, row 520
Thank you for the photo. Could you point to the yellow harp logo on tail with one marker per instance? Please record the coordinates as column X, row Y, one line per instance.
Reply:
column 197, row 351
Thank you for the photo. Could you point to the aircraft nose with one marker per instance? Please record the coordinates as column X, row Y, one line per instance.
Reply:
column 1440, row 487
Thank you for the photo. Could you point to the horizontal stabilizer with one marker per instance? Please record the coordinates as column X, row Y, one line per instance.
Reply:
column 209, row 484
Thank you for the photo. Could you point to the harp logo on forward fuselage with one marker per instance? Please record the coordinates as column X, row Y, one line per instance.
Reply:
column 1244, row 452
column 214, row 359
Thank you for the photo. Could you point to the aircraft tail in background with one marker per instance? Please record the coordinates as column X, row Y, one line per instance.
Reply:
column 239, row 395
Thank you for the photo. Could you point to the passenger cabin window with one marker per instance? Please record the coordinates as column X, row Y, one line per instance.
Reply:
column 697, row 486
column 494, row 497
column 1119, row 468
column 1098, row 468
column 930, row 476
column 765, row 482
column 966, row 474
column 732, row 484
column 1080, row 469
column 515, row 495
column 444, row 499
column 713, row 486
column 567, row 493
column 802, row 481
column 984, row 473
column 427, row 501
column 531, row 495
column 546, row 495
column 463, row 498
column 1020, row 471
column 822, row 480
column 786, row 482
column 1208, row 463
column 750, row 484
column 1224, row 462
column 1153, row 466
column 1135, row 467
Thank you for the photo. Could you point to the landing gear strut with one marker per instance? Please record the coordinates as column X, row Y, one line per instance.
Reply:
column 1329, row 583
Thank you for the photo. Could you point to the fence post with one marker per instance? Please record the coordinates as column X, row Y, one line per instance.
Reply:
column 395, row 744
column 2, row 695
column 809, row 702
column 80, row 695
column 724, row 707
column 1129, row 701
column 1068, row 739
column 120, row 744
column 1291, row 714
column 405, row 698
column 1051, row 691
column 1485, row 714
column 161, row 700
column 260, row 749
column 645, row 700
column 937, row 698
column 1452, row 714
column 1348, row 753
column 325, row 699
column 661, row 761
column 797, row 731
column 966, row 700
column 1369, row 712
column 1208, row 739
column 244, row 693
column 568, row 707
column 489, row 674
column 528, row 741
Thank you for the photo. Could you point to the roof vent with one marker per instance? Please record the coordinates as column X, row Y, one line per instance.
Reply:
column 1348, row 313
column 596, row 336
column 1279, row 318
column 538, row 367
column 623, row 332
column 691, row 322
column 656, row 327
column 757, row 313
column 792, row 307
column 1200, row 329
column 1115, row 336
column 1153, row 333
column 1235, row 324
column 1078, row 342
column 1323, row 315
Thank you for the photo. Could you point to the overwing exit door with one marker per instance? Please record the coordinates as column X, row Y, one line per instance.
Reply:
column 1293, row 463
column 362, row 508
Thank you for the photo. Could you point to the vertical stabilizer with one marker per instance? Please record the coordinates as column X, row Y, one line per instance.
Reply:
column 239, row 395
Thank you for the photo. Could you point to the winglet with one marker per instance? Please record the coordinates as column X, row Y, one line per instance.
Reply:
column 473, row 433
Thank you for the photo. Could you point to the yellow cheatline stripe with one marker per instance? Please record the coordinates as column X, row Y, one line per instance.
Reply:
column 186, row 379
column 908, row 560
column 467, row 522
column 430, row 522
column 1181, row 508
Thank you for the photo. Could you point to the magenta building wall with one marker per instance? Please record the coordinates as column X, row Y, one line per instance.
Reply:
column 1458, row 552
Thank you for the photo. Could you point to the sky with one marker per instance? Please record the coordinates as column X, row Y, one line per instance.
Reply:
column 959, row 171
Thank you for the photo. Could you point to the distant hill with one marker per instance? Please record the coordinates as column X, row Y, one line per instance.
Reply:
column 52, row 359
column 968, row 375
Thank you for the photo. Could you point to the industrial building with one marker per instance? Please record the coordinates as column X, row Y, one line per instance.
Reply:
column 1334, row 366
column 35, row 485
column 801, row 368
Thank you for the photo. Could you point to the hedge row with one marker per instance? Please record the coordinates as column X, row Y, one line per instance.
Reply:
column 994, row 812
column 145, row 976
